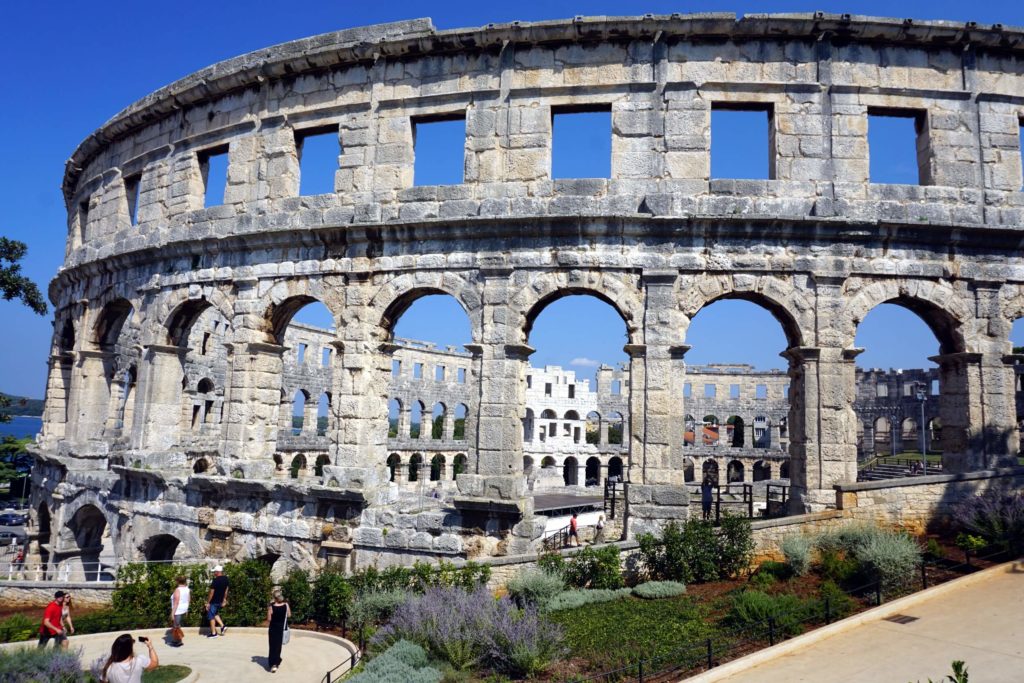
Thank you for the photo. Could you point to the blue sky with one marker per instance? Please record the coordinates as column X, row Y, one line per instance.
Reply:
column 71, row 65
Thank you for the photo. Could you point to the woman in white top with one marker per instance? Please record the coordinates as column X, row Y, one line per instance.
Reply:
column 124, row 666
column 65, row 619
column 179, row 608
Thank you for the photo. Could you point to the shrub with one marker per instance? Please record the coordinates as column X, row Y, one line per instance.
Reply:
column 376, row 607
column 594, row 568
column 535, row 587
column 552, row 562
column 933, row 550
column 753, row 609
column 521, row 643
column 797, row 550
column 402, row 662
column 249, row 593
column 419, row 577
column 298, row 591
column 654, row 590
column 142, row 595
column 34, row 665
column 469, row 629
column 332, row 597
column 890, row 557
column 761, row 580
column 17, row 627
column 735, row 544
column 997, row 516
column 836, row 566
column 579, row 598
column 969, row 542
column 839, row 603
column 687, row 552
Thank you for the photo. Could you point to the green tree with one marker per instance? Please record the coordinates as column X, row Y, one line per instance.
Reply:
column 15, row 463
column 14, row 285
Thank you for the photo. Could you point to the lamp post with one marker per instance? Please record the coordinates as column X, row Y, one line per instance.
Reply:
column 922, row 396
column 895, row 414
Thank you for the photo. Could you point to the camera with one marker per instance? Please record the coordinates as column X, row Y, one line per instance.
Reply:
column 143, row 639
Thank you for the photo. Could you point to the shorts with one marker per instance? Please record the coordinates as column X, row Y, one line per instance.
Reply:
column 212, row 612
column 573, row 532
column 178, row 618
column 46, row 637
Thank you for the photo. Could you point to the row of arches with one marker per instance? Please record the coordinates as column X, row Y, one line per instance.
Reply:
column 407, row 422
column 735, row 471
column 735, row 431
column 569, row 428
column 412, row 470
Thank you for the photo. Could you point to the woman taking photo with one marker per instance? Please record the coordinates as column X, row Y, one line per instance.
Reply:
column 278, row 614
column 124, row 666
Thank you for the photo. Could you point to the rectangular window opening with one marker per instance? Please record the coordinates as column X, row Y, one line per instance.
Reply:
column 935, row 387
column 572, row 391
column 213, row 165
column 581, row 142
column 439, row 373
column 761, row 391
column 439, row 150
column 547, row 388
column 301, row 357
column 460, row 375
column 742, row 140
column 396, row 368
column 785, row 391
column 529, row 380
column 325, row 357
column 208, row 413
column 318, row 150
column 899, row 150
column 83, row 218
column 616, row 387
column 206, row 343
column 1020, row 143
column 417, row 371
column 882, row 390
column 687, row 390
column 710, row 391
column 734, row 391
column 132, row 186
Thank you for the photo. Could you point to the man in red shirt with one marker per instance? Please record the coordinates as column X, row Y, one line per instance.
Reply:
column 51, row 626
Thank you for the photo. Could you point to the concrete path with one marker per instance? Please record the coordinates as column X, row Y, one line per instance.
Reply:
column 238, row 657
column 981, row 623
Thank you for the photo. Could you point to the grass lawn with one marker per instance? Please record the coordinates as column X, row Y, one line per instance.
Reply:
column 172, row 673
column 610, row 634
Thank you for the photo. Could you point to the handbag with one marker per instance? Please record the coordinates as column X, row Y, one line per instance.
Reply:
column 286, row 635
column 177, row 635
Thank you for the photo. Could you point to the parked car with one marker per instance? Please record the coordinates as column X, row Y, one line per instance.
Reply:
column 6, row 537
column 12, row 519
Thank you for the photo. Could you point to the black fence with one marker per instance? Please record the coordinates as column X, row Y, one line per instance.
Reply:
column 708, row 653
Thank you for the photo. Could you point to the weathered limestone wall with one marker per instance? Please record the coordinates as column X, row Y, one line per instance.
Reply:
column 173, row 357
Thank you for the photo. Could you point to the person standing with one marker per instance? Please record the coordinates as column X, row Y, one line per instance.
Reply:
column 574, row 530
column 65, row 619
column 123, row 665
column 599, row 533
column 179, row 608
column 216, row 600
column 52, row 626
column 706, row 491
column 278, row 614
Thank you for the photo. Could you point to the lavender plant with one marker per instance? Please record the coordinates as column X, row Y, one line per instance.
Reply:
column 997, row 516
column 34, row 665
column 521, row 643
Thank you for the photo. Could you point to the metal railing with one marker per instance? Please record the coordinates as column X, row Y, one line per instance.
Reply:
column 350, row 663
column 83, row 572
column 710, row 652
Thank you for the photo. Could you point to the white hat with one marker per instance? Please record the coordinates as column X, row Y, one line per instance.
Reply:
column 218, row 568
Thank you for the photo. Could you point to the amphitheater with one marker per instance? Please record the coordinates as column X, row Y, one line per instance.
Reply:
column 168, row 429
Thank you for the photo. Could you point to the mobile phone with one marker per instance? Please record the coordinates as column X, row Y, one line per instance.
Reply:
column 143, row 639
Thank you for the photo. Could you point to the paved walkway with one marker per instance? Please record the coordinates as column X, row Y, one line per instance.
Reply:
column 239, row 657
column 982, row 624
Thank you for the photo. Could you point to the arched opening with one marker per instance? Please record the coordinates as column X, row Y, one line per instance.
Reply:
column 901, row 387
column 735, row 472
column 416, row 420
column 298, row 466
column 437, row 468
column 394, row 418
column 549, row 426
column 711, row 429
column 762, row 471
column 709, row 472
column 459, row 465
column 762, row 433
column 126, row 412
column 437, row 421
column 527, row 465
column 299, row 412
column 89, row 533
column 203, row 330
column 688, row 470
column 689, row 430
column 394, row 466
column 572, row 429
column 734, row 431
column 594, row 427
column 570, row 471
column 616, row 427
column 593, row 473
column 784, row 470
column 615, row 468
column 547, row 461
column 160, row 548
column 321, row 462
column 200, row 466
column 114, row 336
column 459, row 425
column 528, row 426
column 43, row 512
column 323, row 413
column 415, row 463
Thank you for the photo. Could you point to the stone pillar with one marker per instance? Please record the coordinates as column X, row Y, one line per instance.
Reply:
column 58, row 386
column 448, row 424
column 309, row 415
column 655, row 491
column 748, row 437
column 255, row 403
column 602, row 430
column 822, row 424
column 775, row 436
column 157, row 425
column 91, row 392
column 869, row 438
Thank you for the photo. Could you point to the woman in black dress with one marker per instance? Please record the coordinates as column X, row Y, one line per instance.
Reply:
column 278, row 614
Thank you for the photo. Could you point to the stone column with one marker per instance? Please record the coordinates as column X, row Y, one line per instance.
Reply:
column 91, row 392
column 309, row 415
column 655, row 491
column 58, row 385
column 255, row 405
column 748, row 437
column 448, row 423
column 157, row 425
column 775, row 436
column 602, row 430
column 822, row 424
